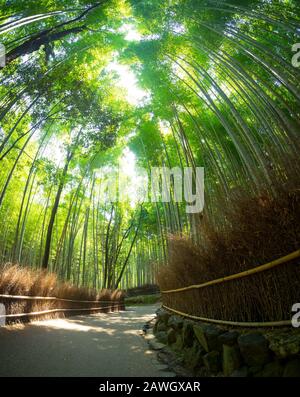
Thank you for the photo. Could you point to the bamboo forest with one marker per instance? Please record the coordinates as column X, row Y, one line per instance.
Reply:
column 152, row 145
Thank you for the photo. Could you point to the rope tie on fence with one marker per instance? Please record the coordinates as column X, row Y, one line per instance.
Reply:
column 258, row 269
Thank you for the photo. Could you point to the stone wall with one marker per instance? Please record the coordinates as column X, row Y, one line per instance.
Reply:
column 211, row 350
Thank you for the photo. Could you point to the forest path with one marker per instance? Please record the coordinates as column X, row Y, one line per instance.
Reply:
column 98, row 345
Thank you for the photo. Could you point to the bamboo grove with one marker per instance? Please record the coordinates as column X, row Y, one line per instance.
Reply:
column 215, row 87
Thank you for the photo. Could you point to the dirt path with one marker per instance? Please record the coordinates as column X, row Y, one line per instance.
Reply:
column 96, row 345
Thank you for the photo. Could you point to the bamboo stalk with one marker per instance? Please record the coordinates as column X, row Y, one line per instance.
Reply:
column 51, row 311
column 48, row 298
column 233, row 323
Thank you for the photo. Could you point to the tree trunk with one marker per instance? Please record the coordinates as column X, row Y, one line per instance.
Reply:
column 49, row 36
column 54, row 212
column 130, row 250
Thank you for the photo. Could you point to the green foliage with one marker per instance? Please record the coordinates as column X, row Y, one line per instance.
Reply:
column 222, row 94
column 142, row 300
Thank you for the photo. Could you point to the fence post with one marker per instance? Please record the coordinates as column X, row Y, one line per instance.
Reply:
column 2, row 315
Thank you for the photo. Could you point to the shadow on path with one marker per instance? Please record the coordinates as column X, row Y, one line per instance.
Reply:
column 107, row 345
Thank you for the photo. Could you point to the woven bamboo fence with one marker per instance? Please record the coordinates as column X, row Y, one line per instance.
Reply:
column 25, row 308
column 212, row 300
